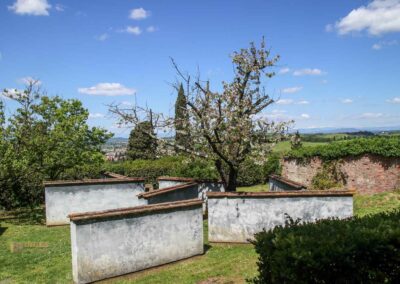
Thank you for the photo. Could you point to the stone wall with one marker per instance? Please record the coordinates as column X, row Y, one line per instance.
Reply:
column 366, row 174
column 115, row 242
column 66, row 197
column 236, row 217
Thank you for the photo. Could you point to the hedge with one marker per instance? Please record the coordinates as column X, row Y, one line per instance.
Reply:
column 249, row 174
column 383, row 146
column 355, row 250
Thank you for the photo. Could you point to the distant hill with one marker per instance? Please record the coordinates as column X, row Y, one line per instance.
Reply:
column 117, row 140
column 331, row 130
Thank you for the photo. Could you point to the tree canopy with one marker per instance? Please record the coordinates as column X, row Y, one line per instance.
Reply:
column 227, row 126
column 141, row 145
column 182, row 133
column 45, row 138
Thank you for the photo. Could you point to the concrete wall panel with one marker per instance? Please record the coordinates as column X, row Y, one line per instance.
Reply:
column 237, row 217
column 117, row 242
column 64, row 199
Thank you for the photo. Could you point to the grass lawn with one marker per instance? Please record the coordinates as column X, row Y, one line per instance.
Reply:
column 372, row 204
column 285, row 145
column 254, row 188
column 221, row 263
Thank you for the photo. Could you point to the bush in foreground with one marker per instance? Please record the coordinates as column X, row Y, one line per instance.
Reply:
column 355, row 250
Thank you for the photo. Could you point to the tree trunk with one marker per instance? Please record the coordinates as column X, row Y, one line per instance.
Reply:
column 232, row 181
column 228, row 179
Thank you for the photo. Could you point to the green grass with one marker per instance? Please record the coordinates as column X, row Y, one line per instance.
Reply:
column 372, row 204
column 284, row 146
column 254, row 188
column 221, row 263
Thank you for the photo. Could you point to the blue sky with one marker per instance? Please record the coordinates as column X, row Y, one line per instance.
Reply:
column 339, row 67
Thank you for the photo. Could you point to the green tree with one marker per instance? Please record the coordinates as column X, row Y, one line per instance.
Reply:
column 141, row 145
column 45, row 138
column 182, row 136
column 295, row 141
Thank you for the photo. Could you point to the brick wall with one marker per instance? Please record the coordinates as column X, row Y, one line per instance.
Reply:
column 367, row 174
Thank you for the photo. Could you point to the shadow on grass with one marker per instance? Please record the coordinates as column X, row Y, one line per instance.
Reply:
column 206, row 248
column 24, row 216
column 2, row 230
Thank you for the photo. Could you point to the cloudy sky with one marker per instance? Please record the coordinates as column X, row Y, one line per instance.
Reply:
column 339, row 67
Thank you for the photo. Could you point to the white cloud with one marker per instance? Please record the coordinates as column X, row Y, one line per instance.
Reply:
column 27, row 80
column 139, row 14
column 59, row 7
column 376, row 46
column 382, row 44
column 102, row 37
column 284, row 102
column 1, row 56
column 305, row 116
column 96, row 115
column 324, row 81
column 107, row 89
column 303, row 102
column 290, row 102
column 291, row 90
column 133, row 30
column 378, row 17
column 284, row 70
column 31, row 7
column 308, row 71
column 368, row 115
column 347, row 101
column 151, row 29
column 395, row 100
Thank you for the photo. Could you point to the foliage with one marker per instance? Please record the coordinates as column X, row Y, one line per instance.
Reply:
column 356, row 250
column 295, row 141
column 181, row 120
column 181, row 166
column 225, row 127
column 383, row 146
column 45, row 138
column 251, row 173
column 330, row 176
column 166, row 166
column 140, row 145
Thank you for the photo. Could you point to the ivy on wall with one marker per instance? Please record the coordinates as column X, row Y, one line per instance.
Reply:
column 382, row 146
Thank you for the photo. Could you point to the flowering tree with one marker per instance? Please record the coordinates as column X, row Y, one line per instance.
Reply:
column 226, row 127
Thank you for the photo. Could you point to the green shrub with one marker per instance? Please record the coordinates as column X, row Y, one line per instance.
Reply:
column 355, row 250
column 148, row 169
column 252, row 173
column 330, row 176
column 180, row 166
column 383, row 146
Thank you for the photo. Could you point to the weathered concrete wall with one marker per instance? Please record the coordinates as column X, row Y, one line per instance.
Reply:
column 66, row 197
column 116, row 242
column 175, row 193
column 236, row 217
column 277, row 183
column 367, row 174
column 170, row 190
